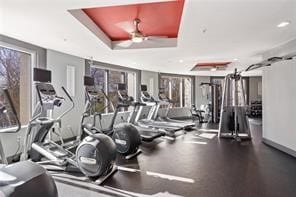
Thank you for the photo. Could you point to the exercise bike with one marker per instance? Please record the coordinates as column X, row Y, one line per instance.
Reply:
column 23, row 178
column 95, row 155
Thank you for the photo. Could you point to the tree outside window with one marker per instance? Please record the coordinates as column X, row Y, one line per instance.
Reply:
column 109, row 80
column 178, row 89
column 15, row 75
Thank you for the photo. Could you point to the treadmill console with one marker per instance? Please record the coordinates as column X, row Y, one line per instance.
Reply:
column 122, row 92
column 92, row 92
column 146, row 97
column 162, row 96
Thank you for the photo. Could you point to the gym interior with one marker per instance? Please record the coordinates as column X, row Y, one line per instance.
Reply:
column 176, row 98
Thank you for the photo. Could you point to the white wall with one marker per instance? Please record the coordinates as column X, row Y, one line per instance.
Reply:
column 148, row 78
column 279, row 98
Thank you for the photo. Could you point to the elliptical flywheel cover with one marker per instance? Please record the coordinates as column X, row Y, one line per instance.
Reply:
column 96, row 155
column 127, row 138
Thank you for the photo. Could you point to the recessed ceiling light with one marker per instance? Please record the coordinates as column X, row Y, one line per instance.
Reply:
column 284, row 24
column 213, row 69
column 181, row 61
column 235, row 59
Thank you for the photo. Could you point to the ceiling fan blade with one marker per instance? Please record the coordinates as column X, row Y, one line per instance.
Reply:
column 125, row 43
column 155, row 37
column 127, row 26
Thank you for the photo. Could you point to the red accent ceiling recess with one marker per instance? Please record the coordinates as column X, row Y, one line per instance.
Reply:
column 157, row 19
column 210, row 65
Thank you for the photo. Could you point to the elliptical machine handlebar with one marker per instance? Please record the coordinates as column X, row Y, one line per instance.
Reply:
column 139, row 104
column 70, row 108
column 67, row 93
column 39, row 96
column 108, row 99
column 14, row 113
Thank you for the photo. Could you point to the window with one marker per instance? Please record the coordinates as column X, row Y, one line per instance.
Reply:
column 107, row 80
column 178, row 89
column 114, row 78
column 99, row 76
column 220, row 81
column 15, row 74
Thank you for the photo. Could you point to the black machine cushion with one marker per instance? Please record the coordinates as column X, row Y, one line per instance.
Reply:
column 30, row 180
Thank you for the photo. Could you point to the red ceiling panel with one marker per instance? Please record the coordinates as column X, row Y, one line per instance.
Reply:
column 208, row 65
column 157, row 19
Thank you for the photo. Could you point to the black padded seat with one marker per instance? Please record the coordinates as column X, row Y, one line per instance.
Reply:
column 26, row 179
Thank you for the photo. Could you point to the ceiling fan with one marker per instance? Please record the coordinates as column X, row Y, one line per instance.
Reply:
column 135, row 34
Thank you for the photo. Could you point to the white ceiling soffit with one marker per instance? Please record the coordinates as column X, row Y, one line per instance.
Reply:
column 211, row 30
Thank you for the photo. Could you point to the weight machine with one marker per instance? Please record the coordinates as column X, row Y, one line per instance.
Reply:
column 234, row 122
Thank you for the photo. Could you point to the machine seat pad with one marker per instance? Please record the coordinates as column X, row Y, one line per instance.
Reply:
column 20, row 172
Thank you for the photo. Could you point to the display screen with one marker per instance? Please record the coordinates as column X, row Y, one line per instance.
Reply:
column 121, row 86
column 42, row 75
column 143, row 88
column 89, row 81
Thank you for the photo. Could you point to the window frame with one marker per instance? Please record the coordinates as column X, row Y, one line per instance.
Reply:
column 169, row 75
column 247, row 84
column 34, row 60
column 124, row 74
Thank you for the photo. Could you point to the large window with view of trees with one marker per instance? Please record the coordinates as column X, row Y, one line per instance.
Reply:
column 15, row 75
column 178, row 89
column 108, row 79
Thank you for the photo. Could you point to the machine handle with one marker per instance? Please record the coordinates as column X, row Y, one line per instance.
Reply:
column 139, row 104
column 108, row 99
column 123, row 105
column 39, row 96
column 68, row 95
column 13, row 111
column 72, row 107
column 59, row 97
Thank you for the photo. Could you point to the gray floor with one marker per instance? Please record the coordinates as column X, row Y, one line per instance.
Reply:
column 195, row 165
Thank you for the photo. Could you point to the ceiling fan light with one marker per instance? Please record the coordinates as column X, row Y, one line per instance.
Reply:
column 137, row 39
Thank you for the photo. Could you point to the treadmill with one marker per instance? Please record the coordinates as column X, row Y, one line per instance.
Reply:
column 164, row 100
column 147, row 134
column 149, row 122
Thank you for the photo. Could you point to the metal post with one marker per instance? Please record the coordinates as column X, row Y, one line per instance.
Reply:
column 2, row 154
column 235, row 107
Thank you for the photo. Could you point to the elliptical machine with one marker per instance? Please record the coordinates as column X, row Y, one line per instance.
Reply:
column 125, row 135
column 23, row 178
column 95, row 155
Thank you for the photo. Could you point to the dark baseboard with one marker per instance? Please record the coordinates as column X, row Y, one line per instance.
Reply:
column 279, row 147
